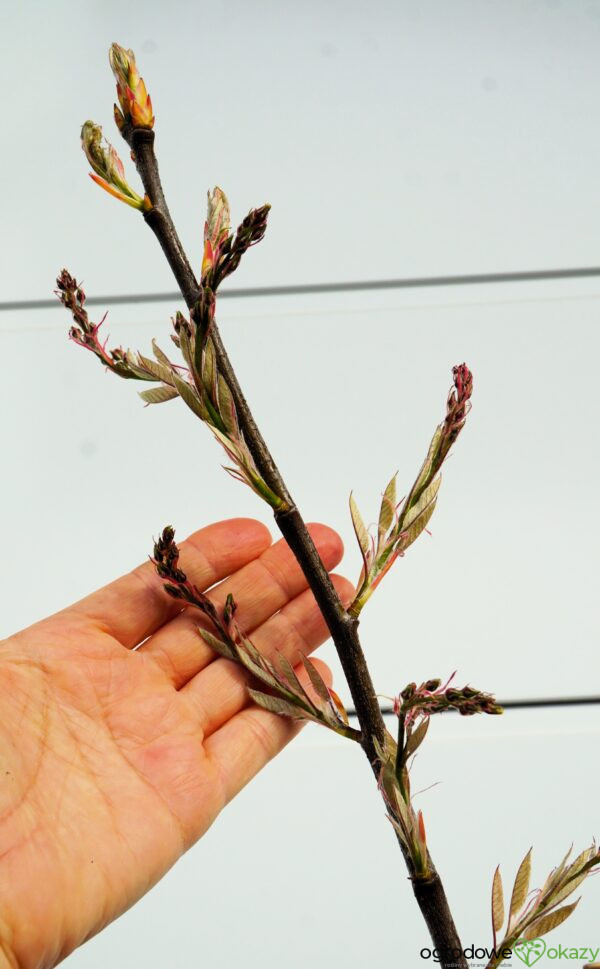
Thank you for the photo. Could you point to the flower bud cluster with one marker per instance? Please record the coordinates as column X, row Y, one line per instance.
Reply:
column 431, row 697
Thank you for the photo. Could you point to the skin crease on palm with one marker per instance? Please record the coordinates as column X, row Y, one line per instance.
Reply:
column 115, row 760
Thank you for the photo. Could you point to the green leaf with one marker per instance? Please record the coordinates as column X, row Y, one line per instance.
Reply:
column 360, row 531
column 497, row 901
column 548, row 922
column 521, row 885
column 157, row 395
column 387, row 509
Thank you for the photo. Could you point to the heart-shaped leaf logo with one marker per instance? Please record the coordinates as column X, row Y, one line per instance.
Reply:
column 529, row 951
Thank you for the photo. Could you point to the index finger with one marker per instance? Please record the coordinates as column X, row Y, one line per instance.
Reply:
column 136, row 605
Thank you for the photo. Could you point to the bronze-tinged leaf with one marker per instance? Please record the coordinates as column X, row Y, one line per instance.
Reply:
column 234, row 451
column 428, row 495
column 387, row 510
column 569, row 888
column 209, row 369
column 157, row 395
column 227, row 409
column 217, row 644
column 497, row 901
column 360, row 531
column 276, row 705
column 341, row 709
column 132, row 364
column 588, row 858
column 161, row 356
column 521, row 885
column 412, row 533
column 575, row 874
column 188, row 394
column 316, row 679
column 158, row 371
column 402, row 809
column 426, row 467
column 260, row 669
column 555, row 875
column 548, row 922
column 417, row 737
column 185, row 342
column 399, row 830
column 290, row 675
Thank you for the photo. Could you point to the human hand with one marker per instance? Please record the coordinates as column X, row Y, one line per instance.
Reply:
column 115, row 760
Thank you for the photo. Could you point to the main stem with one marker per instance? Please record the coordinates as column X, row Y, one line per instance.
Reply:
column 343, row 627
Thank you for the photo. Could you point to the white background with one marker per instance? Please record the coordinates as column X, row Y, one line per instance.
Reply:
column 399, row 140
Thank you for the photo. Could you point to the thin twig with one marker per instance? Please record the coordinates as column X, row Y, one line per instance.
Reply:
column 343, row 627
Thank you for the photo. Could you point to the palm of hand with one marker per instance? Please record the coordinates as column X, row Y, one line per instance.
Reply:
column 114, row 760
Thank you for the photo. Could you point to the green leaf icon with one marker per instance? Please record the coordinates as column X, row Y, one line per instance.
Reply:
column 529, row 951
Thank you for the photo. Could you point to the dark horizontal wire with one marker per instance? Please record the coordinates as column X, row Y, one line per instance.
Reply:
column 553, row 701
column 304, row 288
